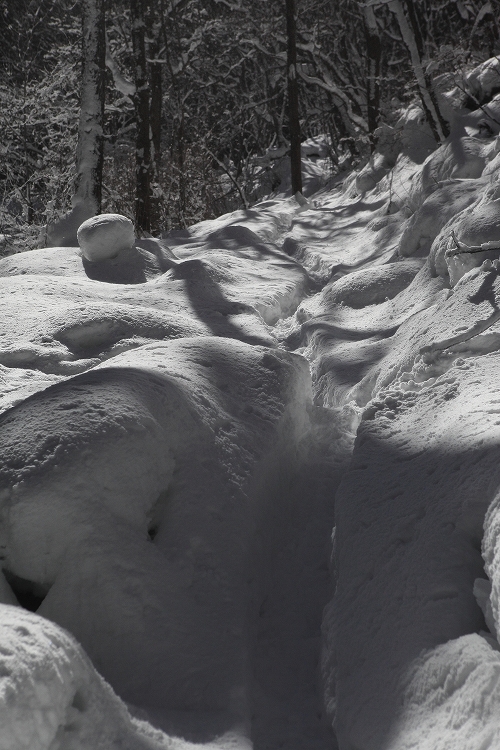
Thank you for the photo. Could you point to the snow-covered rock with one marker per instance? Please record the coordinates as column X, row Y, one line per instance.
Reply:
column 105, row 236
column 451, row 197
column 477, row 228
column 459, row 158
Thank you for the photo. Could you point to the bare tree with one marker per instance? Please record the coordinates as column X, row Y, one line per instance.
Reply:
column 373, row 60
column 89, row 154
column 404, row 12
column 293, row 96
column 139, row 10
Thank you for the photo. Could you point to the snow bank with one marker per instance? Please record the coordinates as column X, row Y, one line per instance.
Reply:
column 51, row 696
column 168, row 487
column 484, row 80
column 144, row 498
column 409, row 525
column 410, row 510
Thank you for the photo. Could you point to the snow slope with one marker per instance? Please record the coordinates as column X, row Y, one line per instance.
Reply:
column 185, row 420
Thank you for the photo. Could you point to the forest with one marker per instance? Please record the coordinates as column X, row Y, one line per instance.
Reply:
column 189, row 107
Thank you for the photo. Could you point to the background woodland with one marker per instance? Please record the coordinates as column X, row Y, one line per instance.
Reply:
column 196, row 95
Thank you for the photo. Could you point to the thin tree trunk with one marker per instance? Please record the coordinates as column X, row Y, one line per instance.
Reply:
column 374, row 55
column 410, row 35
column 89, row 153
column 182, row 183
column 141, row 101
column 155, row 110
column 293, row 96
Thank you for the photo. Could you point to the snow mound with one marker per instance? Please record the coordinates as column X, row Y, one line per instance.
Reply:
column 141, row 503
column 459, row 158
column 51, row 696
column 362, row 288
column 147, row 260
column 369, row 303
column 467, row 240
column 449, row 698
column 451, row 197
column 105, row 236
column 168, row 487
column 484, row 80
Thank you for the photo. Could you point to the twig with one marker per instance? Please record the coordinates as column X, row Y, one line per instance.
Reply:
column 461, row 248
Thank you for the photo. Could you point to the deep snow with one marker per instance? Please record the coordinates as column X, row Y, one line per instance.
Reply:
column 252, row 467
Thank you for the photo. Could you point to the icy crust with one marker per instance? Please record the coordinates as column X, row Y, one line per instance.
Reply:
column 145, row 499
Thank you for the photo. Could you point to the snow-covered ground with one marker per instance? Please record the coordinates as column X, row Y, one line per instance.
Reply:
column 250, row 470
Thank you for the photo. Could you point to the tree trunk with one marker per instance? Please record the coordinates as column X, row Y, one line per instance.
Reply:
column 155, row 110
column 412, row 39
column 141, row 101
column 293, row 96
column 89, row 153
column 180, row 162
column 374, row 55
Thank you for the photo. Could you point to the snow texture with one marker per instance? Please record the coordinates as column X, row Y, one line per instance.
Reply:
column 105, row 236
column 210, row 439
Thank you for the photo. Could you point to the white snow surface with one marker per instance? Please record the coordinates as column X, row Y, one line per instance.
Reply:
column 105, row 236
column 250, row 485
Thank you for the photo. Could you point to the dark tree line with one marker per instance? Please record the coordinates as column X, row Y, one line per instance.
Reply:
column 193, row 105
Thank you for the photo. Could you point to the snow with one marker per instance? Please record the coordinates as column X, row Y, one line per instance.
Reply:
column 484, row 80
column 83, row 502
column 249, row 470
column 51, row 695
column 105, row 236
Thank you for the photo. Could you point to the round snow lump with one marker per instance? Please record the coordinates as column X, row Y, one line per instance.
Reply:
column 104, row 236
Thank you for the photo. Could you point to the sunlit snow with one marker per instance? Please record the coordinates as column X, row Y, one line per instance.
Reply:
column 251, row 469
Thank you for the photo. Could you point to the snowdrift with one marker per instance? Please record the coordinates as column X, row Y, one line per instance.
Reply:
column 184, row 420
